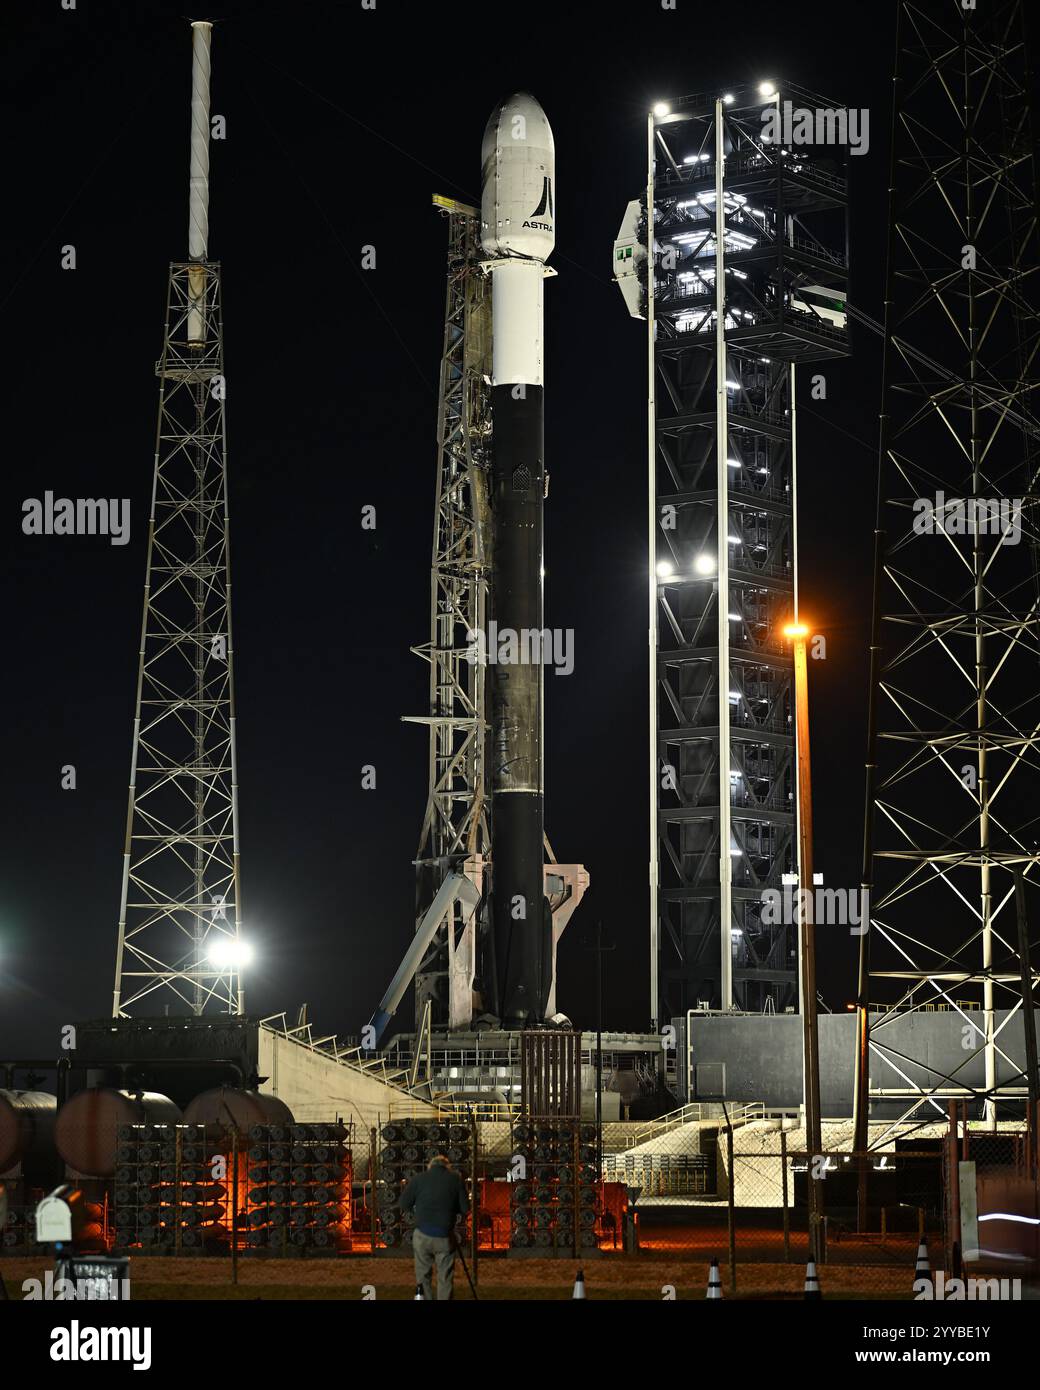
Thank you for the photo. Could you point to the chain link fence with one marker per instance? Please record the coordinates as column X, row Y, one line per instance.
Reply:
column 312, row 1209
column 739, row 1192
column 994, row 1195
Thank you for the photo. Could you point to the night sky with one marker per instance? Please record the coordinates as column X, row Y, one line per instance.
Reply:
column 341, row 123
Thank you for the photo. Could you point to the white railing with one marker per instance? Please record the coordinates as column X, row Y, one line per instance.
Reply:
column 346, row 1054
column 694, row 1112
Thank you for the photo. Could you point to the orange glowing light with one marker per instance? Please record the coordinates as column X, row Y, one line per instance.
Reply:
column 794, row 630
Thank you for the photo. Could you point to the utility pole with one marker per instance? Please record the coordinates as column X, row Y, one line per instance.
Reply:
column 798, row 634
column 1028, row 1015
column 599, row 946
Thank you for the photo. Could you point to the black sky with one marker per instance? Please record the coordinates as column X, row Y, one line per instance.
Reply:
column 340, row 125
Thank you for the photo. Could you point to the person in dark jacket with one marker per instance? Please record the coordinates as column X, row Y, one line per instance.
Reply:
column 438, row 1198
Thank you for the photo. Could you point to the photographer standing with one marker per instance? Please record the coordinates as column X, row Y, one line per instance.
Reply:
column 438, row 1198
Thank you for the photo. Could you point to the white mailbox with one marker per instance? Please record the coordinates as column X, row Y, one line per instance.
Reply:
column 54, row 1217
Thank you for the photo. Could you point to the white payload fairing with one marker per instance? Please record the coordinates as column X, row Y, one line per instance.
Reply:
column 518, row 232
column 518, row 168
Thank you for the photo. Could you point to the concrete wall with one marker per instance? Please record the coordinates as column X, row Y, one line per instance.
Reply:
column 314, row 1087
column 763, row 1055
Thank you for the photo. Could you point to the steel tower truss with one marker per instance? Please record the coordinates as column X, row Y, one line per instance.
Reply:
column 735, row 243
column 180, row 903
column 455, row 830
column 953, row 772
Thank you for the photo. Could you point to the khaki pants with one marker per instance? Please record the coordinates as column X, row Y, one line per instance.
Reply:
column 429, row 1250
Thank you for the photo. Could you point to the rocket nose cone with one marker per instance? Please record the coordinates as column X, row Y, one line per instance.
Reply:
column 516, row 118
column 517, row 178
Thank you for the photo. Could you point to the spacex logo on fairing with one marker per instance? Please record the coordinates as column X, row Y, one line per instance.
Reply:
column 545, row 205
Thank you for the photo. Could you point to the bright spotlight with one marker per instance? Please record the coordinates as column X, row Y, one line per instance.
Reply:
column 227, row 954
column 728, row 98
column 767, row 89
column 704, row 564
column 661, row 108
column 665, row 569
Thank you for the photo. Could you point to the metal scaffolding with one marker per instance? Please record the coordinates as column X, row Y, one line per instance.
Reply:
column 455, row 830
column 953, row 775
column 749, row 270
column 451, row 957
column 180, row 902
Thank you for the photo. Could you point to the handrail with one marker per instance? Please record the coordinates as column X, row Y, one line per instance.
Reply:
column 355, row 1057
column 693, row 1112
column 703, row 171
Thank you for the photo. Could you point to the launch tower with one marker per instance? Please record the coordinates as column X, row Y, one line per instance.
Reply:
column 735, row 257
column 950, row 844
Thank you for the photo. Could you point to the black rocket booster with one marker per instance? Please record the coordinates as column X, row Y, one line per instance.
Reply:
column 518, row 235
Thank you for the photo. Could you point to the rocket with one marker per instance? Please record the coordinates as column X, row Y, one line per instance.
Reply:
column 517, row 235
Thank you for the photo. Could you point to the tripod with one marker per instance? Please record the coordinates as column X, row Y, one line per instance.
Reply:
column 465, row 1268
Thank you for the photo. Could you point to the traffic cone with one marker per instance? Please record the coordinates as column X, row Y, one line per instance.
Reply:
column 418, row 1295
column 922, row 1269
column 714, row 1281
column 579, row 1285
column 812, row 1284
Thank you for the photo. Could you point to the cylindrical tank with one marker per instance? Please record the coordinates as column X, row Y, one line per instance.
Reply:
column 27, row 1131
column 228, row 1105
column 87, row 1124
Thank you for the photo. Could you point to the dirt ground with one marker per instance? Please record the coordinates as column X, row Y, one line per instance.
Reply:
column 606, row 1277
